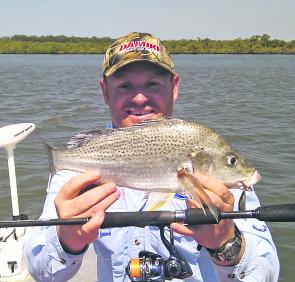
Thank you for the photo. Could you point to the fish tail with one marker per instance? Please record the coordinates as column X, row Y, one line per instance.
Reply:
column 50, row 152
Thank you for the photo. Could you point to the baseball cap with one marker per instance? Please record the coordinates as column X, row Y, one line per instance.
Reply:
column 135, row 47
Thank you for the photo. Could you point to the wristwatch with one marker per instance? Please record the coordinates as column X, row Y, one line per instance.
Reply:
column 229, row 250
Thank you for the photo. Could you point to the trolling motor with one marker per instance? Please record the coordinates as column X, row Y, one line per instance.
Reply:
column 10, row 135
column 153, row 267
column 12, row 265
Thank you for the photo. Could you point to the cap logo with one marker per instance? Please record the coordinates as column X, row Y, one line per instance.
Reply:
column 139, row 46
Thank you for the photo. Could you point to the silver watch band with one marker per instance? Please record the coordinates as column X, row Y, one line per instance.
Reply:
column 230, row 249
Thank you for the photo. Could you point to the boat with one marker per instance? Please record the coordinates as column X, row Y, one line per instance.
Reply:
column 12, row 264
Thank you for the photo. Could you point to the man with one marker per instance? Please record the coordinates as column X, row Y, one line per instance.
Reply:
column 140, row 83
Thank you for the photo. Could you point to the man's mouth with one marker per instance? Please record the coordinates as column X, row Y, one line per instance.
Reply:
column 139, row 113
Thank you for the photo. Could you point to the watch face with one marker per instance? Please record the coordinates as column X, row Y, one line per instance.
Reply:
column 232, row 251
column 229, row 250
column 220, row 257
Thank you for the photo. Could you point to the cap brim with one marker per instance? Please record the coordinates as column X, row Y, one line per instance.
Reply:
column 118, row 66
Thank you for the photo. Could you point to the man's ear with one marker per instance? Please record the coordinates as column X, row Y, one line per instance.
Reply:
column 175, row 85
column 103, row 86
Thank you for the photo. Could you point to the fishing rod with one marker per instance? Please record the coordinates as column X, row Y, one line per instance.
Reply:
column 191, row 216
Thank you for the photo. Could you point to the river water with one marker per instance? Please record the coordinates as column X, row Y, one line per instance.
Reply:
column 250, row 99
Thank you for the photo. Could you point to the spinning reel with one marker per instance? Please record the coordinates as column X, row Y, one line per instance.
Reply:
column 153, row 267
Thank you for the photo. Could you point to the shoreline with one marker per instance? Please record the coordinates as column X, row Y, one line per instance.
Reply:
column 264, row 53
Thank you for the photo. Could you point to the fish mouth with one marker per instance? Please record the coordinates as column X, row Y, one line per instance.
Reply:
column 247, row 184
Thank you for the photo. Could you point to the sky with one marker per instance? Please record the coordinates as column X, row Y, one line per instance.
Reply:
column 168, row 19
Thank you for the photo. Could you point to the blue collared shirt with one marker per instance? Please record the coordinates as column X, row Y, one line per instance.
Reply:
column 47, row 261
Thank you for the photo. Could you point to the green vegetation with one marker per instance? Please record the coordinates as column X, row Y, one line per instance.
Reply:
column 22, row 44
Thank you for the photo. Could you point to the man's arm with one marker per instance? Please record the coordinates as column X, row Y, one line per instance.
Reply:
column 56, row 253
column 257, row 259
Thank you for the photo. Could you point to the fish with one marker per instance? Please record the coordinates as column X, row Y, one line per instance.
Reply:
column 149, row 156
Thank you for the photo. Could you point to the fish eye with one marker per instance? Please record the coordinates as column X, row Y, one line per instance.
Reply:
column 231, row 160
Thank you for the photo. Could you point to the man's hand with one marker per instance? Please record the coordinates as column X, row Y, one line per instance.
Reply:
column 212, row 235
column 70, row 203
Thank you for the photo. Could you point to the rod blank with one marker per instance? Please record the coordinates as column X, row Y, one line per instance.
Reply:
column 273, row 213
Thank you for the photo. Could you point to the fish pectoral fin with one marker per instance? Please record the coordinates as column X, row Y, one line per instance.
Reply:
column 190, row 185
column 188, row 189
column 156, row 200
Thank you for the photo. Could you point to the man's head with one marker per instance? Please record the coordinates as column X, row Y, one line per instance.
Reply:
column 139, row 82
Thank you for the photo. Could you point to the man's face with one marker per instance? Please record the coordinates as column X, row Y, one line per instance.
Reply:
column 139, row 91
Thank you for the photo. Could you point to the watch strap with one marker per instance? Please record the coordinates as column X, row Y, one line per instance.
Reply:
column 230, row 249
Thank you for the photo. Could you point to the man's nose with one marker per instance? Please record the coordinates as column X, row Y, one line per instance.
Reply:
column 139, row 98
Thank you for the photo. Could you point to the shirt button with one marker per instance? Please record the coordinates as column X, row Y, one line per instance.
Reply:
column 242, row 275
column 137, row 242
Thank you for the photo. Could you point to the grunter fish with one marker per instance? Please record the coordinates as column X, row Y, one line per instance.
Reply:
column 157, row 156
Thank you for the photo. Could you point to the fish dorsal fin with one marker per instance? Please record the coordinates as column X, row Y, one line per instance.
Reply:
column 82, row 138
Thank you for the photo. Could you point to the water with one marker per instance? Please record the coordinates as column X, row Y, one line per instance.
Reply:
column 247, row 98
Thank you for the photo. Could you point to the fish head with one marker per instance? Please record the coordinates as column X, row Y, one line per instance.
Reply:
column 226, row 165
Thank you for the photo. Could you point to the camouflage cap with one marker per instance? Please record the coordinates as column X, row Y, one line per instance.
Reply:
column 134, row 47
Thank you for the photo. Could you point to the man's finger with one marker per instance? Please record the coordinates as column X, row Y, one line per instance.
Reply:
column 181, row 229
column 215, row 186
column 105, row 194
column 102, row 204
column 106, row 202
column 73, row 187
column 90, row 230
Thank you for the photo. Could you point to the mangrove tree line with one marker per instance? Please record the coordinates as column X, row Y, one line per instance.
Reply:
column 257, row 44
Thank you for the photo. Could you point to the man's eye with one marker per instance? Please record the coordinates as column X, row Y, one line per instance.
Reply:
column 153, row 85
column 124, row 86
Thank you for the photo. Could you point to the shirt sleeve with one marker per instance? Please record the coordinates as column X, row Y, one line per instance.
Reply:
column 260, row 260
column 45, row 258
